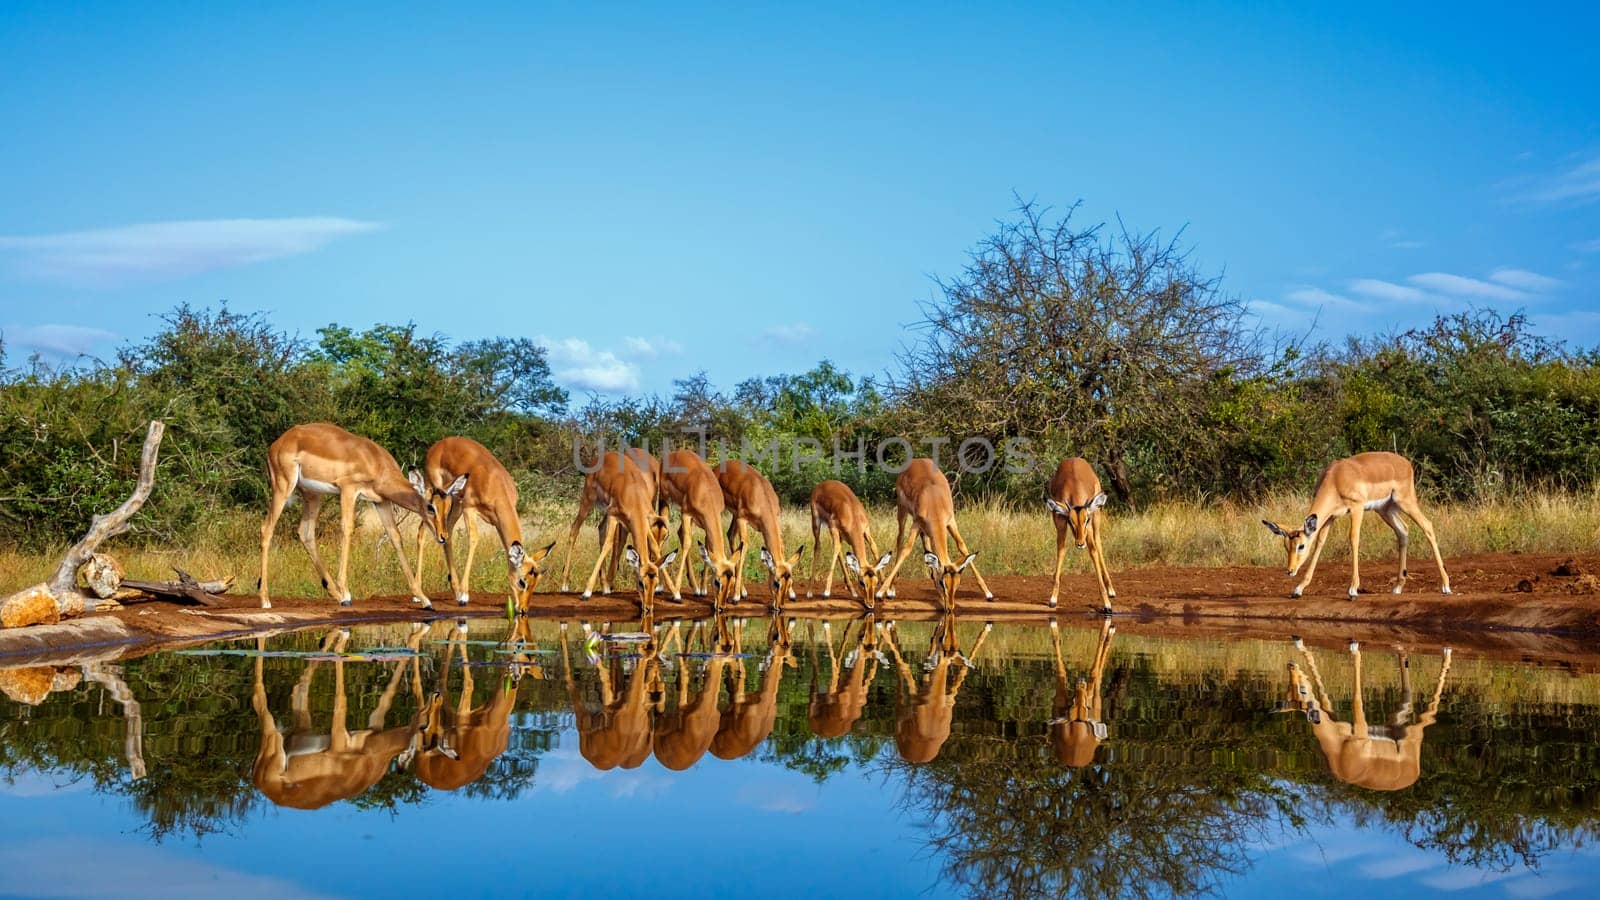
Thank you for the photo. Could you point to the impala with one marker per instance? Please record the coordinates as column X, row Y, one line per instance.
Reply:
column 922, row 494
column 749, row 496
column 618, row 484
column 1074, row 497
column 651, row 468
column 465, row 481
column 749, row 719
column 305, row 770
column 1382, row 482
column 922, row 718
column 832, row 713
column 1079, row 724
column 459, row 743
column 1370, row 756
column 618, row 733
column 834, row 505
column 319, row 460
column 690, row 485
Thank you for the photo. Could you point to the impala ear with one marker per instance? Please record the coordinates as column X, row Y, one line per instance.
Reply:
column 457, row 486
column 796, row 557
column 1055, row 507
column 515, row 554
column 766, row 560
column 884, row 561
column 966, row 562
column 1273, row 527
column 1311, row 524
column 932, row 562
column 633, row 558
column 1098, row 501
column 540, row 554
column 418, row 483
column 851, row 563
column 667, row 560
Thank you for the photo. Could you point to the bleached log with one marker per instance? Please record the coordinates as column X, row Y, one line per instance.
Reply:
column 60, row 598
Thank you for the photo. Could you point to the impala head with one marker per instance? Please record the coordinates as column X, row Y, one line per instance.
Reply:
column 782, row 571
column 649, row 572
column 722, row 572
column 947, row 578
column 1300, row 697
column 525, row 570
column 868, row 575
column 437, row 504
column 1077, row 516
column 1296, row 543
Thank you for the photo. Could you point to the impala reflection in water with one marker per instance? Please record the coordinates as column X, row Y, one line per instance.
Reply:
column 950, row 757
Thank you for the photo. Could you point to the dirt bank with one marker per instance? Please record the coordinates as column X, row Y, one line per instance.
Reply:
column 1504, row 605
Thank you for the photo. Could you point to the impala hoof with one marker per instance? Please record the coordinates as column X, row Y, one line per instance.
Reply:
column 1355, row 646
column 1052, row 601
column 1295, row 594
column 1352, row 593
column 1445, row 589
column 426, row 603
column 461, row 599
column 266, row 604
column 1398, row 588
column 1298, row 643
column 1111, row 594
column 1105, row 610
column 989, row 597
column 889, row 593
column 586, row 595
column 566, row 588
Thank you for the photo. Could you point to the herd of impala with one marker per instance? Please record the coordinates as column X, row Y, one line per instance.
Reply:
column 635, row 493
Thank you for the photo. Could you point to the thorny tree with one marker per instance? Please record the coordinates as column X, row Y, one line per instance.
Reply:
column 1077, row 338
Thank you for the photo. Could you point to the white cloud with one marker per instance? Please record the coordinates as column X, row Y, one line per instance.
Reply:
column 1587, row 246
column 575, row 364
column 56, row 867
column 157, row 251
column 55, row 341
column 1387, row 291
column 1317, row 297
column 1573, row 186
column 650, row 348
column 1395, row 238
column 1522, row 279
column 1461, row 286
column 792, row 333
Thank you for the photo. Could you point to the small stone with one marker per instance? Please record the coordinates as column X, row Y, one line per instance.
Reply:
column 1568, row 569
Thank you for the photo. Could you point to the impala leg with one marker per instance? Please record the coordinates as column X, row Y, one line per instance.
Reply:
column 1407, row 696
column 386, row 516
column 347, row 528
column 955, row 533
column 1061, row 556
column 600, row 561
column 1356, row 515
column 1317, row 541
column 902, row 549
column 464, row 583
column 1438, row 692
column 1390, row 513
column 816, row 542
column 1101, row 572
column 280, row 498
column 1316, row 678
column 1358, row 710
column 683, row 556
column 744, row 556
column 837, row 562
column 1409, row 506
column 310, row 507
column 1100, row 553
column 585, row 502
column 422, row 533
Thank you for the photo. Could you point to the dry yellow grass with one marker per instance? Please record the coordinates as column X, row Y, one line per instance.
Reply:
column 1011, row 540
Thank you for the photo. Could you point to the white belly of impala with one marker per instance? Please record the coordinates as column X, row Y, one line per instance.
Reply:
column 312, row 486
column 1379, row 503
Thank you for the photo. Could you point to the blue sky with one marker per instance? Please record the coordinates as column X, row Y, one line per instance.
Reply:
column 654, row 191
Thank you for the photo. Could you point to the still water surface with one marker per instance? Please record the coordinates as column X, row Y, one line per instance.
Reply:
column 852, row 759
